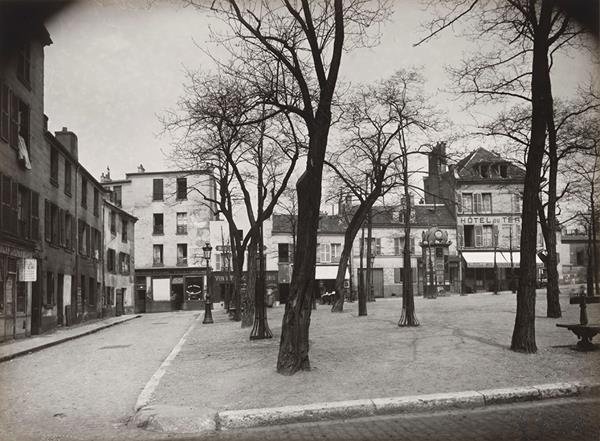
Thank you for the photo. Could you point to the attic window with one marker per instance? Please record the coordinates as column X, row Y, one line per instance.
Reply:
column 503, row 170
column 484, row 170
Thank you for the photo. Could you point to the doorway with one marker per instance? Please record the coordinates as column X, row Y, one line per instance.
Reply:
column 176, row 296
column 59, row 299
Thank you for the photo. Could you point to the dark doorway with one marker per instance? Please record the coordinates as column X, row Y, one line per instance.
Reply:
column 119, row 301
column 140, row 300
column 176, row 296
column 36, row 303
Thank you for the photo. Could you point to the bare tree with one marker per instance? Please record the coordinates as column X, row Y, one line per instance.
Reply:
column 223, row 126
column 300, row 45
column 526, row 33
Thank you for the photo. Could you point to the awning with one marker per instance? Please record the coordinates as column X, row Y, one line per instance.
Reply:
column 485, row 259
column 327, row 272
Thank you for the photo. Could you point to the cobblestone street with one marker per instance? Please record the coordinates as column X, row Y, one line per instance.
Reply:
column 563, row 420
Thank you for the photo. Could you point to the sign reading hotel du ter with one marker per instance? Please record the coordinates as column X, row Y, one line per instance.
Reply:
column 486, row 220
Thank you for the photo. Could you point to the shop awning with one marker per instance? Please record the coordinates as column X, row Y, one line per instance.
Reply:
column 485, row 259
column 327, row 272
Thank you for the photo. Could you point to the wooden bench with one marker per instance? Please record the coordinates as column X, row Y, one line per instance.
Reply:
column 584, row 331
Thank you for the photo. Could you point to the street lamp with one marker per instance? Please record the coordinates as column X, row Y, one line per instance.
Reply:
column 495, row 239
column 260, row 330
column 371, row 287
column 207, row 249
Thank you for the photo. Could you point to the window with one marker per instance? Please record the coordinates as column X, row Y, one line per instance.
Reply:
column 67, row 177
column 503, row 170
column 24, row 212
column 8, row 215
column 516, row 203
column 478, row 235
column 82, row 232
column 323, row 252
column 68, row 231
column 335, row 252
column 467, row 203
column 488, row 236
column 113, row 223
column 54, row 166
column 4, row 111
column 51, row 223
column 181, row 188
column 181, row 223
column 96, row 202
column 157, row 189
column 116, row 195
column 158, row 227
column 124, row 263
column 398, row 246
column 96, row 243
column 124, row 226
column 486, row 202
column 283, row 252
column 35, row 216
column 23, row 123
column 92, row 292
column 484, row 170
column 83, row 192
column 376, row 246
column 398, row 275
column 24, row 64
column 182, row 254
column 110, row 260
column 580, row 258
column 469, row 236
column 49, row 288
column 157, row 255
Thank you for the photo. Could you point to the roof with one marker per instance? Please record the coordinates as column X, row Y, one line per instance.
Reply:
column 120, row 210
column 383, row 217
column 167, row 172
column 468, row 167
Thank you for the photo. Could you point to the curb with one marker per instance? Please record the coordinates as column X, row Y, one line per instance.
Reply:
column 153, row 418
column 62, row 340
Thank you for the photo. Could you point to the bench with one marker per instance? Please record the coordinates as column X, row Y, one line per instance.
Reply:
column 583, row 330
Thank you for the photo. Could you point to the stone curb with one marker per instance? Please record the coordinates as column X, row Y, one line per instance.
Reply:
column 62, row 340
column 150, row 417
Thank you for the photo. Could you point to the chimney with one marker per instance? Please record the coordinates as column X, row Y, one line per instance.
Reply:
column 141, row 169
column 105, row 177
column 69, row 140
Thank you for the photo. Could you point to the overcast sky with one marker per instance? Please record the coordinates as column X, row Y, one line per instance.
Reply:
column 115, row 66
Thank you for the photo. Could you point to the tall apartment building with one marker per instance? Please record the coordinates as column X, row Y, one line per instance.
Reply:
column 173, row 225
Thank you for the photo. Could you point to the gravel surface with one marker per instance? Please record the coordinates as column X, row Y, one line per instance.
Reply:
column 462, row 344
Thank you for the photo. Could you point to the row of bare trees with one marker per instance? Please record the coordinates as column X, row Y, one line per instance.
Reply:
column 277, row 96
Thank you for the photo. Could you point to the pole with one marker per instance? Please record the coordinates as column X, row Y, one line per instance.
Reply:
column 260, row 330
column 208, row 319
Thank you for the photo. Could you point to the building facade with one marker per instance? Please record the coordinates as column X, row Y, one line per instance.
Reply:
column 119, row 261
column 173, row 226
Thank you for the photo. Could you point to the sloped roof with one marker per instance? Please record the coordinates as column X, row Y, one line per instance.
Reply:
column 383, row 217
column 467, row 167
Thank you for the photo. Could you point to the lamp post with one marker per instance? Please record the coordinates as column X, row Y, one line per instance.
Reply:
column 260, row 330
column 207, row 249
column 495, row 239
column 371, row 287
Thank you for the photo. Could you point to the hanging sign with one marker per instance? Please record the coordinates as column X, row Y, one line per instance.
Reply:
column 27, row 270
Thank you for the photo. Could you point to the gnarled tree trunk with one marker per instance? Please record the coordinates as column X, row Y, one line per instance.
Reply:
column 523, row 338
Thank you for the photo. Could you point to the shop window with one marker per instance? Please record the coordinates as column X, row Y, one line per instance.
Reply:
column 181, row 188
column 21, row 297
column 157, row 190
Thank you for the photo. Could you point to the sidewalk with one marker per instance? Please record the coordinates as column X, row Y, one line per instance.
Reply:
column 16, row 348
column 462, row 346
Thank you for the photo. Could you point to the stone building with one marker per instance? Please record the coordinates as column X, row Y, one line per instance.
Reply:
column 119, row 262
column 172, row 227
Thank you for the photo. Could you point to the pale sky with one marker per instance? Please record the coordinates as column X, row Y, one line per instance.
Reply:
column 115, row 66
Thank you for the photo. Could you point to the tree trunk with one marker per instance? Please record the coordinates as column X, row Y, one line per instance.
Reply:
column 370, row 257
column 237, row 264
column 349, row 237
column 362, row 296
column 294, row 344
column 523, row 338
column 248, row 296
column 552, row 289
column 594, row 231
column 408, row 317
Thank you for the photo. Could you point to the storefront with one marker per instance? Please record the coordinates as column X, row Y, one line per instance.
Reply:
column 480, row 270
column 168, row 289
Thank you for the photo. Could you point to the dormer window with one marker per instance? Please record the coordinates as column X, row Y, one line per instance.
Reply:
column 484, row 170
column 503, row 170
